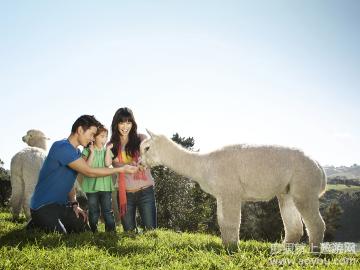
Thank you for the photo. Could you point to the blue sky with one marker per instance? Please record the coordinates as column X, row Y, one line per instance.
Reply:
column 224, row 72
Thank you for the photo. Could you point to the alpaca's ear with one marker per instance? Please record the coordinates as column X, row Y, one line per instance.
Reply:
column 150, row 133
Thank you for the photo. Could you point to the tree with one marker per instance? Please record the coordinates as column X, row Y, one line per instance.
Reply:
column 261, row 221
column 332, row 214
column 5, row 186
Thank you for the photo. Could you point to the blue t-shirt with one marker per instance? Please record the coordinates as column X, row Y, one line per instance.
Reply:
column 56, row 179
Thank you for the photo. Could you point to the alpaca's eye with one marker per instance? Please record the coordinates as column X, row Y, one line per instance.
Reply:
column 147, row 149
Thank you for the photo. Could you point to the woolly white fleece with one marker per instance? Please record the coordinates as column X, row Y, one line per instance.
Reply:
column 25, row 167
column 239, row 173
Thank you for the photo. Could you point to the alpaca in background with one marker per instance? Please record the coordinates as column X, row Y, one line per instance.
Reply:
column 240, row 173
column 25, row 167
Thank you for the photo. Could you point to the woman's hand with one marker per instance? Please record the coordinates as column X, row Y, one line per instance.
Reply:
column 142, row 167
column 129, row 169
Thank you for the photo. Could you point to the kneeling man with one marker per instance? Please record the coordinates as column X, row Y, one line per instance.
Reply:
column 53, row 203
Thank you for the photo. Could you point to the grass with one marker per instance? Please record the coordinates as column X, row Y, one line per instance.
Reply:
column 159, row 249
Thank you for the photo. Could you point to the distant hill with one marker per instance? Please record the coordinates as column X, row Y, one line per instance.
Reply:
column 352, row 172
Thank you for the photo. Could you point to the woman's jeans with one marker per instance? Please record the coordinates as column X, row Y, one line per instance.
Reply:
column 144, row 200
column 100, row 200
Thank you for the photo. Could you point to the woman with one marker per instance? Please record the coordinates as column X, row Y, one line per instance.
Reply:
column 136, row 191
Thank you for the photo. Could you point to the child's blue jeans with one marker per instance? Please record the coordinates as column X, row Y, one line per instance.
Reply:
column 101, row 200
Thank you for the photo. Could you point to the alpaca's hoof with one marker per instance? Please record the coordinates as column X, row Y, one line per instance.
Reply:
column 315, row 248
column 231, row 248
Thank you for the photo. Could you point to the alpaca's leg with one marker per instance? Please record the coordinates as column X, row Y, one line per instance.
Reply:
column 28, row 191
column 291, row 218
column 30, row 180
column 308, row 206
column 17, row 193
column 229, row 217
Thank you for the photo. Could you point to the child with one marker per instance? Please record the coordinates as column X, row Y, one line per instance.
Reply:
column 99, row 189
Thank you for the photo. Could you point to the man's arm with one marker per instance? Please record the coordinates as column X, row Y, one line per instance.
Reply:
column 82, row 167
column 72, row 195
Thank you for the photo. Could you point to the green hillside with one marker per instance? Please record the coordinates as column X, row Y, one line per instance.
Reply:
column 345, row 188
column 160, row 249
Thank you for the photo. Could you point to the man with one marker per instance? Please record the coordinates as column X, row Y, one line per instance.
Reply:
column 53, row 204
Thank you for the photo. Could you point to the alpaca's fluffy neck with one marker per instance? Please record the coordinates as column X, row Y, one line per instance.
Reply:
column 181, row 160
column 41, row 143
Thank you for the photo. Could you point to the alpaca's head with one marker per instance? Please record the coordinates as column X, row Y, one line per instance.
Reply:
column 150, row 150
column 35, row 138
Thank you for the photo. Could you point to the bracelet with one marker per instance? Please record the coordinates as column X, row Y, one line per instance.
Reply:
column 74, row 203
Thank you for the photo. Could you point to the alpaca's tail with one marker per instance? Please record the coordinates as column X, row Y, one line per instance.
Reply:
column 323, row 180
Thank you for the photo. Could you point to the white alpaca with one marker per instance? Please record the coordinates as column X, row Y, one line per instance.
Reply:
column 25, row 167
column 240, row 173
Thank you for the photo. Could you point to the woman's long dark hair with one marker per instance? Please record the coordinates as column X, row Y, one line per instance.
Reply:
column 132, row 147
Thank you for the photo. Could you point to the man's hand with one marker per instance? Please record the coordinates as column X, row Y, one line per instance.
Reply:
column 78, row 211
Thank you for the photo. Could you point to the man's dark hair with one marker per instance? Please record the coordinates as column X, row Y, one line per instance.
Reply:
column 85, row 121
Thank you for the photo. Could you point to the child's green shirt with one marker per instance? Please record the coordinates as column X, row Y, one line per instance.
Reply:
column 94, row 184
